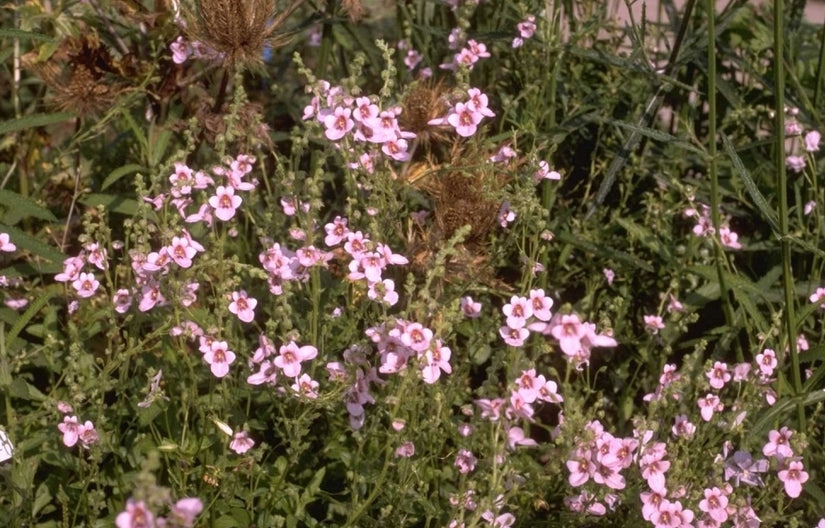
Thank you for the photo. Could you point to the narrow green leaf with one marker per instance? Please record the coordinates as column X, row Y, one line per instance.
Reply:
column 652, row 133
column 750, row 185
column 36, row 120
column 36, row 305
column 607, row 252
column 24, row 206
column 113, row 203
column 21, row 34
column 119, row 173
column 28, row 243
column 784, row 407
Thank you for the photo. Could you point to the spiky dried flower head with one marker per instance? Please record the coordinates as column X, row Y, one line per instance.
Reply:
column 425, row 101
column 81, row 74
column 241, row 28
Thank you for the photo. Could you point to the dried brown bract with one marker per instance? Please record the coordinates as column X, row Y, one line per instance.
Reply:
column 424, row 102
column 81, row 74
column 241, row 28
column 354, row 9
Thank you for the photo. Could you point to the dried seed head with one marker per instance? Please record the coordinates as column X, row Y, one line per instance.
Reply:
column 424, row 102
column 241, row 28
column 81, row 74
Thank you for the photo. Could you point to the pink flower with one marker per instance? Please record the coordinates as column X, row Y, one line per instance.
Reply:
column 86, row 285
column 518, row 310
column 671, row 514
column 654, row 323
column 219, row 358
column 225, row 202
column 795, row 163
column 516, row 436
column 465, row 461
column 87, row 434
column 243, row 306
column 708, row 405
column 291, row 356
column 818, row 297
column 527, row 27
column 718, row 375
column 729, row 238
column 715, row 504
column 336, row 231
column 6, row 244
column 767, row 362
column 793, row 477
column 180, row 50
column 338, row 123
column 778, row 444
column 514, row 336
column 136, row 515
column 241, row 442
column 70, row 429
column 181, row 251
column 812, row 141
column 306, row 386
column 417, row 337
column 470, row 308
column 581, row 468
column 541, row 305
column 72, row 267
column 544, row 173
column 436, row 359
column 405, row 450
column 464, row 119
column 384, row 292
column 185, row 510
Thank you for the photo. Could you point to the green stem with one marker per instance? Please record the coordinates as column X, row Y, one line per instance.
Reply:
column 719, row 254
column 820, row 71
column 782, row 184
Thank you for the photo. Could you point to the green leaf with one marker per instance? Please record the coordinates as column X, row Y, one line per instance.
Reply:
column 603, row 251
column 113, row 203
column 37, row 304
column 783, row 408
column 24, row 390
column 119, row 173
column 21, row 34
column 28, row 243
column 750, row 185
column 36, row 120
column 24, row 207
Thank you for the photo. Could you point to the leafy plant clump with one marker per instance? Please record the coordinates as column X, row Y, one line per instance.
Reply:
column 448, row 263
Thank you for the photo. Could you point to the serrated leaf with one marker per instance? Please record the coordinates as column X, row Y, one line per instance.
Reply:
column 119, row 173
column 26, row 242
column 24, row 390
column 24, row 206
column 32, row 121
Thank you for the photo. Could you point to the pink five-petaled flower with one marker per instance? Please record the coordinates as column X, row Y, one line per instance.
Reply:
column 729, row 238
column 653, row 323
column 709, row 405
column 225, row 202
column 767, row 362
column 436, row 359
column 715, row 504
column 778, row 444
column 465, row 119
column 185, row 510
column 136, row 515
column 544, row 173
column 818, row 297
column 417, row 337
column 70, row 429
column 793, row 477
column 465, row 461
column 241, row 442
column 290, row 358
column 243, row 306
column 514, row 337
column 6, row 244
column 219, row 358
column 181, row 251
column 718, row 375
column 518, row 310
column 86, row 285
column 812, row 141
column 671, row 515
column 338, row 123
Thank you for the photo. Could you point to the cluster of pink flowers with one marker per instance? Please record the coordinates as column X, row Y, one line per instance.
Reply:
column 183, row 49
column 524, row 315
column 796, row 160
column 577, row 338
column 73, row 430
column 526, row 29
column 84, row 283
column 368, row 261
column 791, row 470
column 403, row 340
column 358, row 374
column 361, row 120
column 284, row 265
column 704, row 227
column 222, row 202
column 602, row 457
column 286, row 360
column 465, row 116
column 182, row 514
column 469, row 54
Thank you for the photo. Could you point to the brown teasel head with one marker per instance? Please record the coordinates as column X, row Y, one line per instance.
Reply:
column 241, row 28
column 425, row 101
column 81, row 74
